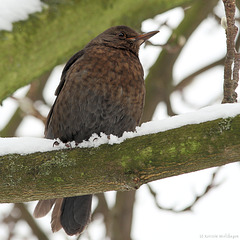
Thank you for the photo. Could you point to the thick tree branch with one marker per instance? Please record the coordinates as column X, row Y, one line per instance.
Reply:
column 119, row 167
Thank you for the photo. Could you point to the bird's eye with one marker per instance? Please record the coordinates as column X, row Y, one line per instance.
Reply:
column 121, row 34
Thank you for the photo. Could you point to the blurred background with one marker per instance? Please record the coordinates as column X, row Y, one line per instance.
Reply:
column 183, row 67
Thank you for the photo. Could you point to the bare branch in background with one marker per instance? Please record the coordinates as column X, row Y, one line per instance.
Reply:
column 208, row 188
column 168, row 47
column 28, row 108
column 189, row 79
column 35, row 94
column 103, row 209
column 231, row 77
column 18, row 213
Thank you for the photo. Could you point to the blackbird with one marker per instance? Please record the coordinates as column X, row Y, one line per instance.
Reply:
column 101, row 90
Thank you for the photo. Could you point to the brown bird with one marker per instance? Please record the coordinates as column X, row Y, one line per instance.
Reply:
column 101, row 90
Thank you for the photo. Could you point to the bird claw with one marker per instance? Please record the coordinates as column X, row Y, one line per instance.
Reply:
column 68, row 145
column 56, row 143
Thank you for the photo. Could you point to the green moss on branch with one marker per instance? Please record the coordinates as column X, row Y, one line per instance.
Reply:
column 119, row 167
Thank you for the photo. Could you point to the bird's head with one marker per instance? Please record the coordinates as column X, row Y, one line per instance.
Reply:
column 122, row 37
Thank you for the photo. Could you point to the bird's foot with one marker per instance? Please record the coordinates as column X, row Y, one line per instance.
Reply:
column 68, row 145
column 56, row 143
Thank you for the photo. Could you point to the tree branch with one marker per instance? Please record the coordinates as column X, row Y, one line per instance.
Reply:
column 188, row 80
column 208, row 188
column 119, row 167
column 230, row 78
column 30, row 221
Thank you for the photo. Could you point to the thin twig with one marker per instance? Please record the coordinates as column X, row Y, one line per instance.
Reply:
column 28, row 108
column 209, row 187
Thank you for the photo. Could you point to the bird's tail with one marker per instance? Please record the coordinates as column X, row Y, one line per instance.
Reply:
column 76, row 213
column 71, row 213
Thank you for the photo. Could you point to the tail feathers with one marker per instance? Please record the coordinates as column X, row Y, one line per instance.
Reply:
column 76, row 213
column 56, row 214
column 71, row 213
column 43, row 207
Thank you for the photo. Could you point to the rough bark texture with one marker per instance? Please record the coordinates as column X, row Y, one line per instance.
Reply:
column 230, row 78
column 119, row 167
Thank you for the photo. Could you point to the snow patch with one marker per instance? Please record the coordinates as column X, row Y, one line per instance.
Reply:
column 13, row 11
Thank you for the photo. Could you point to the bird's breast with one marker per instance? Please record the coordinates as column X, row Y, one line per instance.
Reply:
column 107, row 84
column 114, row 73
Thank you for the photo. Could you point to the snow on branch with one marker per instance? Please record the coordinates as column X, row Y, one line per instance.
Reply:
column 28, row 145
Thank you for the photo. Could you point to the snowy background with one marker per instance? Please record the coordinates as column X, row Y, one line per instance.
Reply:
column 216, row 214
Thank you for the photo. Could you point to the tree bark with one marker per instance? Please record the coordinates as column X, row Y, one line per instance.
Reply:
column 119, row 167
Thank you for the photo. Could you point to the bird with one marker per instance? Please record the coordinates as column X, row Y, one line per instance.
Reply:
column 101, row 90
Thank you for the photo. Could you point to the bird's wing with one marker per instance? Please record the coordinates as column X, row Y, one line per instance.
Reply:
column 70, row 62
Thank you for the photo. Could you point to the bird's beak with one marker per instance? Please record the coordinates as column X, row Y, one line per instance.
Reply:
column 141, row 38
